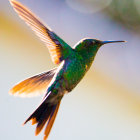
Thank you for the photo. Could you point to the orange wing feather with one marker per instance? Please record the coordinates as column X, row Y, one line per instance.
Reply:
column 52, row 41
column 33, row 86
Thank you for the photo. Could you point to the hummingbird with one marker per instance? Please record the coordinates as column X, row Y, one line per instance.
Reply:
column 74, row 62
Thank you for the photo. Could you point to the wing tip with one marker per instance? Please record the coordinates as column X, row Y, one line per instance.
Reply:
column 22, row 94
column 11, row 92
column 13, row 2
column 14, row 92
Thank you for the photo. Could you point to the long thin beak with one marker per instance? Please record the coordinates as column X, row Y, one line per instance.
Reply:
column 105, row 42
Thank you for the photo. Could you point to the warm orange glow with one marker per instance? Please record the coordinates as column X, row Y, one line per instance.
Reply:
column 34, row 121
column 33, row 86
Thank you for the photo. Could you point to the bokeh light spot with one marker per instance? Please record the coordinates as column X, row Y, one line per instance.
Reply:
column 88, row 6
column 137, row 4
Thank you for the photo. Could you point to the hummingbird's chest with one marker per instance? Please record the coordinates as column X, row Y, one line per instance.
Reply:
column 74, row 71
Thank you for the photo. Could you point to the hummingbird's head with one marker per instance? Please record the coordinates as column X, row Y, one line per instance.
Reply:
column 89, row 44
column 89, row 47
column 98, row 43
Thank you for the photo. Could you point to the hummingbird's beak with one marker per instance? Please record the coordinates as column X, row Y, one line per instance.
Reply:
column 105, row 42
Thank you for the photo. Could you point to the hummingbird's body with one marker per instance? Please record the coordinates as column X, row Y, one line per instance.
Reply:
column 74, row 63
column 73, row 69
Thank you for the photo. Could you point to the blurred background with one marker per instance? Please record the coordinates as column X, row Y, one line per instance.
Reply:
column 106, row 103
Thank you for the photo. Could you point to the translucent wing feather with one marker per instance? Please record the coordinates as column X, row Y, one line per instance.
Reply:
column 58, row 49
column 33, row 86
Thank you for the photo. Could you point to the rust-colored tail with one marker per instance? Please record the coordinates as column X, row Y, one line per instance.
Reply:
column 44, row 114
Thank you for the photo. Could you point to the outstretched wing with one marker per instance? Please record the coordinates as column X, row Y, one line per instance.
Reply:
column 58, row 49
column 33, row 86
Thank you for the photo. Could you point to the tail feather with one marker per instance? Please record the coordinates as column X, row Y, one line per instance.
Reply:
column 44, row 114
column 36, row 114
column 43, row 119
column 51, row 121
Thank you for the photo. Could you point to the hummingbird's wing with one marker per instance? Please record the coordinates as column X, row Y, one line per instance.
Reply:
column 58, row 49
column 33, row 86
